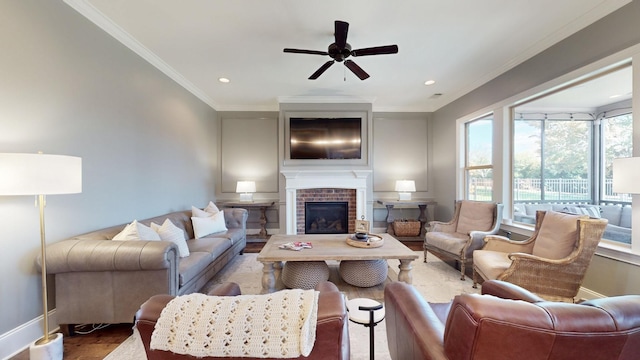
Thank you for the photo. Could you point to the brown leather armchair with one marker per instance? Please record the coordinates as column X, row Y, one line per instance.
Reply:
column 509, row 322
column 332, row 330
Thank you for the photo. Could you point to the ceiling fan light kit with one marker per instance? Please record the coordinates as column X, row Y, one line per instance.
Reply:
column 340, row 50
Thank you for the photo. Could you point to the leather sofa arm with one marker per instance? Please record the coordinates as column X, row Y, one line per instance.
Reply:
column 108, row 255
column 151, row 309
column 332, row 330
column 507, row 290
column 236, row 218
column 414, row 330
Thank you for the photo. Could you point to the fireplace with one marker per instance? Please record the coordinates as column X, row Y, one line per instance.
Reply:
column 326, row 217
column 299, row 182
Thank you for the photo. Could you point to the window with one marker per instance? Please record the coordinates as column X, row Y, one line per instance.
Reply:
column 478, row 159
column 552, row 158
column 617, row 133
column 564, row 144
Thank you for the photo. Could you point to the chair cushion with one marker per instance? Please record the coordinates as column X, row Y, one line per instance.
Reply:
column 449, row 242
column 490, row 264
column 557, row 235
column 475, row 216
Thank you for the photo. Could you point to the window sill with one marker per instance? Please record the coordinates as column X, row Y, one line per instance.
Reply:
column 611, row 250
column 606, row 248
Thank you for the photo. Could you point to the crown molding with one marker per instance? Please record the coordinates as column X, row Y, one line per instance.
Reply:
column 86, row 9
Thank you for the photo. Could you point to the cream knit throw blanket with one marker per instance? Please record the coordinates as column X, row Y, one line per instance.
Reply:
column 277, row 325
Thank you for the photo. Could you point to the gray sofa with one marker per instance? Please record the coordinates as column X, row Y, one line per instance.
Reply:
column 619, row 217
column 98, row 280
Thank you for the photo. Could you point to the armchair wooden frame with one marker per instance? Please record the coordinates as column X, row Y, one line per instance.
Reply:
column 552, row 279
column 473, row 242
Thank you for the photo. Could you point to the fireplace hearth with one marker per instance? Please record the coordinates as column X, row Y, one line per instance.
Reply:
column 326, row 217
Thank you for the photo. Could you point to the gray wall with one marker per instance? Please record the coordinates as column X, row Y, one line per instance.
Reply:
column 249, row 149
column 148, row 146
column 614, row 33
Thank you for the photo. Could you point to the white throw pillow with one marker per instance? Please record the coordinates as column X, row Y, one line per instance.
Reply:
column 203, row 226
column 195, row 212
column 137, row 231
column 212, row 208
column 169, row 232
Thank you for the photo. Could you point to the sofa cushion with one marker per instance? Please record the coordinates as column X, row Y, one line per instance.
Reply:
column 192, row 265
column 589, row 210
column 475, row 216
column 211, row 245
column 557, row 235
column 532, row 208
column 169, row 232
column 625, row 217
column 232, row 234
column 490, row 264
column 136, row 231
column 613, row 213
column 449, row 242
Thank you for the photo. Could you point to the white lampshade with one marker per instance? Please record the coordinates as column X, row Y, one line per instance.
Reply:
column 246, row 187
column 246, row 190
column 405, row 186
column 626, row 175
column 40, row 174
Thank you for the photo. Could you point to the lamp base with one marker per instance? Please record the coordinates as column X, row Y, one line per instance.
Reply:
column 404, row 196
column 246, row 197
column 52, row 350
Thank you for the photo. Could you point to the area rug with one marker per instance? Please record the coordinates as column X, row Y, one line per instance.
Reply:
column 436, row 280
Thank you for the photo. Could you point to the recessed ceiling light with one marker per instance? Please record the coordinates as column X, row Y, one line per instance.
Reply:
column 429, row 82
column 614, row 96
column 223, row 80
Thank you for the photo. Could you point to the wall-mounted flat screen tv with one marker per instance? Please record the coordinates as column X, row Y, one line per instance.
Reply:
column 325, row 138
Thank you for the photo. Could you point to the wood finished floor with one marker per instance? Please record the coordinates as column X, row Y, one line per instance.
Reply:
column 99, row 343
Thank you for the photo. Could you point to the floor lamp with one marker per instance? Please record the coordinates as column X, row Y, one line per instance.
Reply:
column 41, row 175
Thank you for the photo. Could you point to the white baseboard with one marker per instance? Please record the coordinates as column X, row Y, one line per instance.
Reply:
column 587, row 294
column 20, row 338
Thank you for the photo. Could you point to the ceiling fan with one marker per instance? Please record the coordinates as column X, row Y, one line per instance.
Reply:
column 340, row 50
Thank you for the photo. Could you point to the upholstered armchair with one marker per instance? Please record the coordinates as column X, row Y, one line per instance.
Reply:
column 508, row 322
column 551, row 263
column 458, row 238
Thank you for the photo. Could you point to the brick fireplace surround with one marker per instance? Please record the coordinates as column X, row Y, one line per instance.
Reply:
column 325, row 195
column 324, row 185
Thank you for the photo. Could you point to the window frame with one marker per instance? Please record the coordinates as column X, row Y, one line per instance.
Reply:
column 503, row 145
column 467, row 167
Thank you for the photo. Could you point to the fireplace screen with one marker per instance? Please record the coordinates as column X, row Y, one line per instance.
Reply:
column 326, row 217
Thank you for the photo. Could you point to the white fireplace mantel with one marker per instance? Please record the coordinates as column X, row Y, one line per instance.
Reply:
column 315, row 179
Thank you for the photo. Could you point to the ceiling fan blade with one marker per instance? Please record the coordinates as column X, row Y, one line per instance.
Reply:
column 341, row 30
column 322, row 69
column 300, row 51
column 356, row 69
column 378, row 50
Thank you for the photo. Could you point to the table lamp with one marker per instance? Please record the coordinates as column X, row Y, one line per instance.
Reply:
column 246, row 190
column 41, row 175
column 405, row 188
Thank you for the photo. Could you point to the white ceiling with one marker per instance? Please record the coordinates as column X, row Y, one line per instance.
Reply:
column 461, row 44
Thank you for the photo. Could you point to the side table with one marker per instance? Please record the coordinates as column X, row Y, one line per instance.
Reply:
column 366, row 312
column 262, row 206
column 421, row 204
